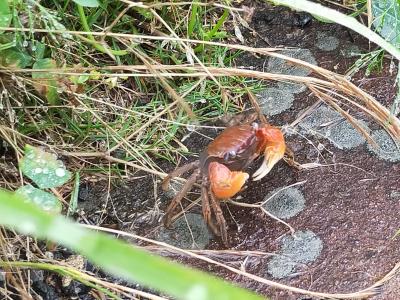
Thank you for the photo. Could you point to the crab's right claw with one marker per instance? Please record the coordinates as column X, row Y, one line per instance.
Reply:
column 224, row 182
column 274, row 151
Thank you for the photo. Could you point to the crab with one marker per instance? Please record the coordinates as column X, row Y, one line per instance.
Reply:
column 220, row 169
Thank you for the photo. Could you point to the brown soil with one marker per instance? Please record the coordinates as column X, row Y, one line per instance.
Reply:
column 350, row 205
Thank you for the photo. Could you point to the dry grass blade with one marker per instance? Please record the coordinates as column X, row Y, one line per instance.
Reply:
column 331, row 101
column 362, row 294
column 65, row 270
column 146, row 60
column 340, row 82
column 332, row 81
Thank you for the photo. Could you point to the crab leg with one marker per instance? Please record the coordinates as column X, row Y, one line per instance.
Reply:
column 219, row 216
column 178, row 198
column 177, row 172
column 206, row 209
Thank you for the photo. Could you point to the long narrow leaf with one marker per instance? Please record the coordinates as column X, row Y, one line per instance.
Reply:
column 114, row 256
column 342, row 19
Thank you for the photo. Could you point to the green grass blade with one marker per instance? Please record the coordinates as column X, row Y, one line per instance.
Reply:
column 339, row 18
column 192, row 20
column 217, row 26
column 97, row 45
column 73, row 204
column 210, row 35
column 116, row 257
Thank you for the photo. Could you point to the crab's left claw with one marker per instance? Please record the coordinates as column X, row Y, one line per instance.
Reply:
column 224, row 182
column 274, row 151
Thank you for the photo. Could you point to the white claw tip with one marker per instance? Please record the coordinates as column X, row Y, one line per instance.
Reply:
column 261, row 172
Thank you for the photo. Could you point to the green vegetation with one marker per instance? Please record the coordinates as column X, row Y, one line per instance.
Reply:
column 81, row 97
column 114, row 256
column 110, row 86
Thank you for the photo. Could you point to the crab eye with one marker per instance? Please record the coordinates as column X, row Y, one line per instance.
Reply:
column 230, row 154
column 254, row 125
column 226, row 156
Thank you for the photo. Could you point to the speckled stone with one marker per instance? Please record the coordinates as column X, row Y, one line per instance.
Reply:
column 174, row 188
column 328, row 123
column 274, row 101
column 345, row 136
column 301, row 248
column 326, row 42
column 387, row 148
column 286, row 203
column 350, row 51
column 317, row 120
column 281, row 66
column 188, row 232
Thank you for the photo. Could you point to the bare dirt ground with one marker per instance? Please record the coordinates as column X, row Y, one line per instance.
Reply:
column 351, row 204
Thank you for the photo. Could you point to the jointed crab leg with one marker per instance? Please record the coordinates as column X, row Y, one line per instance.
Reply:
column 219, row 216
column 178, row 198
column 205, row 204
column 206, row 209
column 177, row 172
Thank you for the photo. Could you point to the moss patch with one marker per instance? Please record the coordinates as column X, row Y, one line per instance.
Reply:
column 387, row 148
column 188, row 232
column 286, row 203
column 304, row 247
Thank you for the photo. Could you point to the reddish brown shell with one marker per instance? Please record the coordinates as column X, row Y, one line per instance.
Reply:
column 233, row 139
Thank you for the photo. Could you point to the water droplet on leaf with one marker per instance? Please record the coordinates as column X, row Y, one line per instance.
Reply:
column 60, row 172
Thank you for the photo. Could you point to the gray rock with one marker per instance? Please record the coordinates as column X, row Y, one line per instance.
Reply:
column 190, row 234
column 304, row 247
column 395, row 195
column 281, row 66
column 286, row 203
column 174, row 188
column 345, row 136
column 274, row 101
column 328, row 123
column 326, row 42
column 387, row 148
column 350, row 51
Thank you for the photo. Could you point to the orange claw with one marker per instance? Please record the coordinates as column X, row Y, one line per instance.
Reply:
column 274, row 147
column 224, row 182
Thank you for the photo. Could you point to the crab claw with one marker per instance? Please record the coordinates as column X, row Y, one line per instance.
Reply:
column 274, row 151
column 224, row 182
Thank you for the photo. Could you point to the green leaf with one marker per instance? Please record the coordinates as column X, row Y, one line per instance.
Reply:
column 13, row 58
column 146, row 13
column 40, row 49
column 322, row 19
column 79, row 79
column 45, row 83
column 43, row 168
column 48, row 202
column 386, row 19
column 117, row 257
column 73, row 203
column 87, row 3
column 5, row 14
